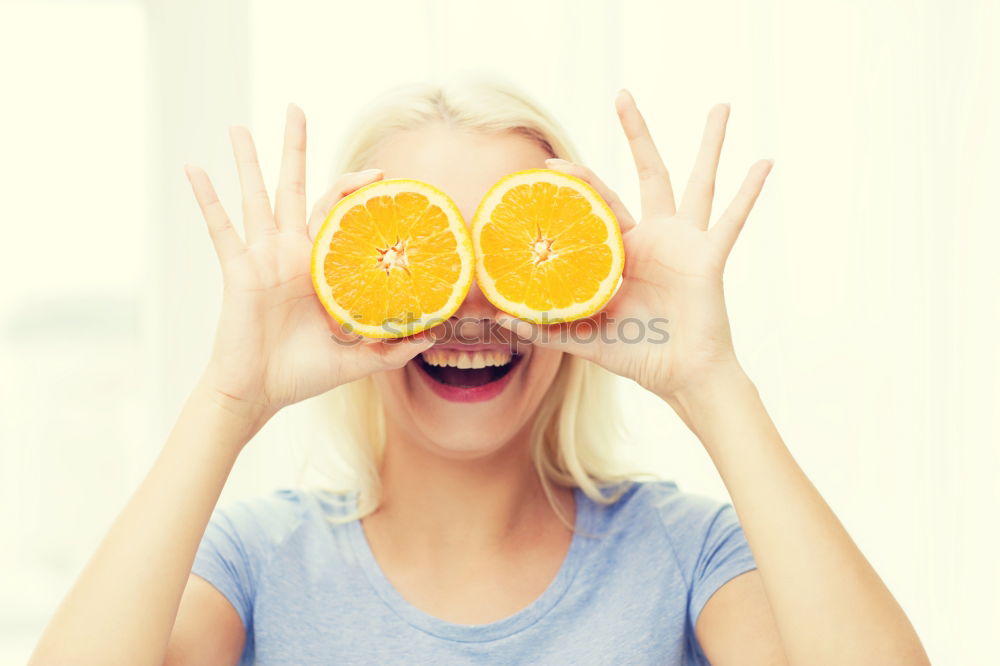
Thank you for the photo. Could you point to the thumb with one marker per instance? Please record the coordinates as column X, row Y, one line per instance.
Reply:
column 396, row 352
column 569, row 337
column 347, row 183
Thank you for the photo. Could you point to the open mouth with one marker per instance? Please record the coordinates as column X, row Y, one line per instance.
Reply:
column 463, row 369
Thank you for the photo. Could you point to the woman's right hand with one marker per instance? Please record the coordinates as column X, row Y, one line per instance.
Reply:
column 276, row 344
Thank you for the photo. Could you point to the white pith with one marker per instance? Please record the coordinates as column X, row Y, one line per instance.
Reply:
column 466, row 360
column 541, row 250
column 393, row 257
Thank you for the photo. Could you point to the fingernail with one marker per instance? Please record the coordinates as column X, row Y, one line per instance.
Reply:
column 368, row 173
column 556, row 160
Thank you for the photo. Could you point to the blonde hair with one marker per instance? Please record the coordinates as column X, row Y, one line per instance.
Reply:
column 578, row 422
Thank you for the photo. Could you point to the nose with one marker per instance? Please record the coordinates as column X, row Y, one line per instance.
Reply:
column 474, row 322
column 475, row 309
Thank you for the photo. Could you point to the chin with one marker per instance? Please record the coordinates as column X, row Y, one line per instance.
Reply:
column 465, row 441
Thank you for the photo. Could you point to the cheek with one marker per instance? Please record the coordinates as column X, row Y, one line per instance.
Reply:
column 391, row 386
column 545, row 364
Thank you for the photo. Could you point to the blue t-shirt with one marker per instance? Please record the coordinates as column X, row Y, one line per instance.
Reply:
column 311, row 592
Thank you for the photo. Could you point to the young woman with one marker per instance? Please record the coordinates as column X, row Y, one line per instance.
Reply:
column 486, row 526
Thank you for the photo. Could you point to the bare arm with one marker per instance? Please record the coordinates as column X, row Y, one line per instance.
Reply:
column 736, row 625
column 122, row 607
column 208, row 630
column 829, row 604
column 273, row 348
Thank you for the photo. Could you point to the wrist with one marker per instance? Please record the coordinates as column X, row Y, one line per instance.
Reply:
column 710, row 393
column 247, row 413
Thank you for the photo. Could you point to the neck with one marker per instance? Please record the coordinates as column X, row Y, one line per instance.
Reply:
column 436, row 505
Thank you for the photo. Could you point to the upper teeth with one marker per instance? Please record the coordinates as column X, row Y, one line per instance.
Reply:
column 461, row 359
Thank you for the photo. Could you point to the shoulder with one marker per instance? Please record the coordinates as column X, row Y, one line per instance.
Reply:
column 699, row 534
column 661, row 511
column 268, row 520
column 662, row 500
column 246, row 536
column 679, row 509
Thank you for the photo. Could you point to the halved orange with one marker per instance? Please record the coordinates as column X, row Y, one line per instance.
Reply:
column 392, row 258
column 548, row 247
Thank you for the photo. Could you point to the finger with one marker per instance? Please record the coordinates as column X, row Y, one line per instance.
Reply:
column 625, row 219
column 370, row 355
column 290, row 199
column 566, row 337
column 396, row 352
column 654, row 181
column 344, row 333
column 226, row 241
column 257, row 217
column 728, row 227
column 341, row 188
column 697, row 200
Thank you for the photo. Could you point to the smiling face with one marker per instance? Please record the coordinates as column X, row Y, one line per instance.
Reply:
column 478, row 388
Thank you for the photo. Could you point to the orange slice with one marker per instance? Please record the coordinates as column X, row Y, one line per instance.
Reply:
column 548, row 248
column 392, row 258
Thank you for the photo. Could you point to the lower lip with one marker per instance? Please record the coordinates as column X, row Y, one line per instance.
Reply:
column 470, row 394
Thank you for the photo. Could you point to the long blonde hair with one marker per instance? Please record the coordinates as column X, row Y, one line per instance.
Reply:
column 578, row 422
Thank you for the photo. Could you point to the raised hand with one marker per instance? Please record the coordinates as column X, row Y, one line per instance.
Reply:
column 275, row 344
column 673, row 269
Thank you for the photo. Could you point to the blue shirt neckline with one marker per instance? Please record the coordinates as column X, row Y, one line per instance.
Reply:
column 511, row 624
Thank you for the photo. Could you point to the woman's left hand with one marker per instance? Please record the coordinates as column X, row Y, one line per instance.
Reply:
column 672, row 289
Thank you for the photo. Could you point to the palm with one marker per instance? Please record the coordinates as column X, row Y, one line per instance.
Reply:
column 275, row 344
column 672, row 282
column 268, row 308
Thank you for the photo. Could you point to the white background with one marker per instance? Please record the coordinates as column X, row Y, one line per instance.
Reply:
column 863, row 292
